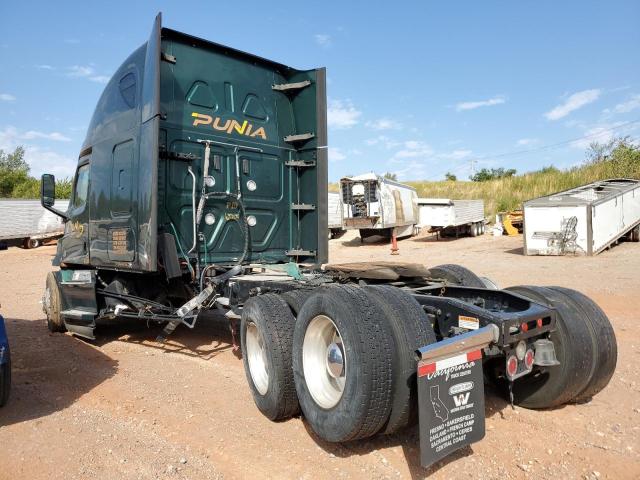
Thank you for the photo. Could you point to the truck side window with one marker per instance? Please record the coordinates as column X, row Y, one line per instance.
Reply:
column 81, row 189
column 128, row 89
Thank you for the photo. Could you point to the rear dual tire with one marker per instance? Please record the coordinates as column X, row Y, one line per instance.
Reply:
column 353, row 361
column 584, row 344
column 342, row 363
column 266, row 336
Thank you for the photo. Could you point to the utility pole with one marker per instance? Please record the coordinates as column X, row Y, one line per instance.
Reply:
column 473, row 167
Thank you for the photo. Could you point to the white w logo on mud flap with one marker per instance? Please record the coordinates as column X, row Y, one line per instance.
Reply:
column 461, row 399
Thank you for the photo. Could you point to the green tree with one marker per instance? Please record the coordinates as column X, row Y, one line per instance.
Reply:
column 391, row 176
column 15, row 181
column 450, row 176
column 14, row 170
column 486, row 174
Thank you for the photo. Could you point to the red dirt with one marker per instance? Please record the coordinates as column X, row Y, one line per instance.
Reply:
column 127, row 407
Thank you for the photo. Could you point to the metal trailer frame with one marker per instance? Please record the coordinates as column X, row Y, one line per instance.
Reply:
column 588, row 198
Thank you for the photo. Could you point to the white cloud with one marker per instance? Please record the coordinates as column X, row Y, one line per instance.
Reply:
column 497, row 100
column 88, row 72
column 631, row 104
column 384, row 124
column 34, row 134
column 336, row 154
column 413, row 149
column 574, row 102
column 41, row 160
column 523, row 142
column 44, row 67
column 603, row 133
column 342, row 114
column 323, row 39
column 5, row 97
column 14, row 135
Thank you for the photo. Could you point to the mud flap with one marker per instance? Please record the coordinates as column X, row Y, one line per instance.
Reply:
column 451, row 394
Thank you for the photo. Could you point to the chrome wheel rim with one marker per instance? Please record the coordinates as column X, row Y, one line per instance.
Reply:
column 257, row 358
column 324, row 361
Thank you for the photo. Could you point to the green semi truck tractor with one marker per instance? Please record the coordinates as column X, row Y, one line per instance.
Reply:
column 202, row 185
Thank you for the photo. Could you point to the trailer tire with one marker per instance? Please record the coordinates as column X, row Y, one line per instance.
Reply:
column 635, row 234
column 29, row 243
column 411, row 330
column 474, row 229
column 295, row 299
column 574, row 347
column 266, row 335
column 5, row 380
column 52, row 305
column 457, row 274
column 604, row 338
column 342, row 363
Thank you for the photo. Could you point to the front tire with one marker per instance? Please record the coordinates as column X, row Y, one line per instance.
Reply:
column 266, row 335
column 52, row 305
column 342, row 363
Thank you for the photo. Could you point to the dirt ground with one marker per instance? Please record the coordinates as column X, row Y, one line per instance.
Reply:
column 125, row 407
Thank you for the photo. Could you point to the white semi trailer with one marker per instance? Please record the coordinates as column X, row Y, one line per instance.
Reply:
column 335, row 215
column 583, row 220
column 457, row 217
column 376, row 205
column 28, row 222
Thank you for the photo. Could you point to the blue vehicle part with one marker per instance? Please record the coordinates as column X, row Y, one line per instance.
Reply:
column 5, row 365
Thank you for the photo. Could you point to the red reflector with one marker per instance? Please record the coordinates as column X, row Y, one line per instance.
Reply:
column 528, row 359
column 539, row 322
column 512, row 366
column 477, row 355
column 426, row 369
column 524, row 327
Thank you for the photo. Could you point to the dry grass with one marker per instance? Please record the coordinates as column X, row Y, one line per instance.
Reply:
column 509, row 193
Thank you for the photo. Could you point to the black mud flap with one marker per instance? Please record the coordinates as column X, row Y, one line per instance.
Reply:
column 451, row 402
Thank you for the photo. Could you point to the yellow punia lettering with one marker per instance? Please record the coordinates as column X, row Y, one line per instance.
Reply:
column 259, row 133
column 201, row 119
column 216, row 124
column 237, row 127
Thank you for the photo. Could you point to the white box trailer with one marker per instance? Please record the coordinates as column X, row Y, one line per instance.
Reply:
column 376, row 205
column 28, row 221
column 335, row 215
column 452, row 216
column 583, row 220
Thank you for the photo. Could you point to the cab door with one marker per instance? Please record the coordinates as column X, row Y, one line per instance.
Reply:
column 75, row 243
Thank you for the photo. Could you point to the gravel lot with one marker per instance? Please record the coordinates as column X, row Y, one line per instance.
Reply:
column 125, row 407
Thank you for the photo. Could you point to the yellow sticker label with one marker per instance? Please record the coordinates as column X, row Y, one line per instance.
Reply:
column 470, row 323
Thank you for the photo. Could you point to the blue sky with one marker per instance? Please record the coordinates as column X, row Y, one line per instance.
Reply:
column 416, row 88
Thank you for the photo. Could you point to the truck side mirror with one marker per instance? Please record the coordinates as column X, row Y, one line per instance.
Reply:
column 48, row 190
column 48, row 194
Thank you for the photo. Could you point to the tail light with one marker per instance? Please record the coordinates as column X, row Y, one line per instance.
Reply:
column 512, row 366
column 528, row 359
